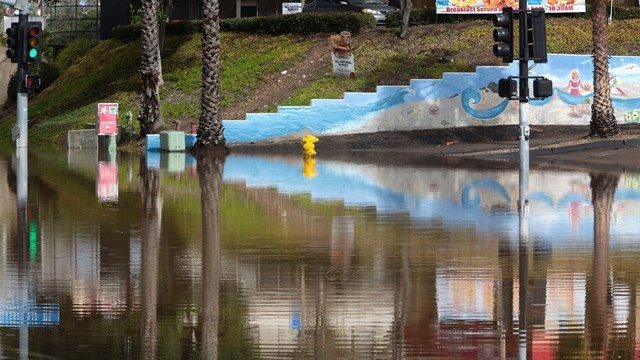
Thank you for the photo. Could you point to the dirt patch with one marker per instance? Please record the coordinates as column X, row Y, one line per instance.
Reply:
column 279, row 86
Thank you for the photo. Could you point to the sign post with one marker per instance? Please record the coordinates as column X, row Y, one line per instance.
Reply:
column 107, row 119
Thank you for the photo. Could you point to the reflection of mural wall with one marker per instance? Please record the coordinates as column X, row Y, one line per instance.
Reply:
column 456, row 100
column 560, row 202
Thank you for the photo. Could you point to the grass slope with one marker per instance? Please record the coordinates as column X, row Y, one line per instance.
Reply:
column 252, row 66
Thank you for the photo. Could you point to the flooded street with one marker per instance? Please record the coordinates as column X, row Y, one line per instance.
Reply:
column 126, row 257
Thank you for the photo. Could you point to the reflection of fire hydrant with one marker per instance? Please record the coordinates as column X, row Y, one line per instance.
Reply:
column 309, row 167
column 309, row 156
column 309, row 146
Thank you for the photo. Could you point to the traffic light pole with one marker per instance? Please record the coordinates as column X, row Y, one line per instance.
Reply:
column 22, row 101
column 22, row 110
column 524, row 85
column 524, row 104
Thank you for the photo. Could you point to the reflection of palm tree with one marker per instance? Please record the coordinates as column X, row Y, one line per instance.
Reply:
column 603, row 187
column 210, row 175
column 150, row 226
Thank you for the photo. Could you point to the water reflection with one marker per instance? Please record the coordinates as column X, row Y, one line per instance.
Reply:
column 150, row 227
column 250, row 258
column 210, row 176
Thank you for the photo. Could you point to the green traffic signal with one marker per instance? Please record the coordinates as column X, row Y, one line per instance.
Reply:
column 34, row 44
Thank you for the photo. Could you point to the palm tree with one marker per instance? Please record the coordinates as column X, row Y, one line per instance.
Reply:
column 210, row 129
column 603, row 120
column 150, row 118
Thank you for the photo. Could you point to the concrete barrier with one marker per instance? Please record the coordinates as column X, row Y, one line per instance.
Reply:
column 82, row 139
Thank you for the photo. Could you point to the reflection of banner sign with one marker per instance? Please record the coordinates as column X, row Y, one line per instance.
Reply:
column 30, row 315
column 495, row 6
column 107, row 181
column 341, row 56
column 107, row 119
column 291, row 8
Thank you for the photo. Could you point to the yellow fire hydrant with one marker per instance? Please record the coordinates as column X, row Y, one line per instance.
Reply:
column 309, row 156
column 309, row 146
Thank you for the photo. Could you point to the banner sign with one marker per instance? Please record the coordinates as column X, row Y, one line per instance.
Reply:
column 495, row 6
column 107, row 119
column 291, row 8
column 341, row 56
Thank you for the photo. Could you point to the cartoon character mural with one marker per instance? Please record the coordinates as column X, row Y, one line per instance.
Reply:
column 576, row 88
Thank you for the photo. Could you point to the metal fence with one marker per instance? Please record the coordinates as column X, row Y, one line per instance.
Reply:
column 71, row 19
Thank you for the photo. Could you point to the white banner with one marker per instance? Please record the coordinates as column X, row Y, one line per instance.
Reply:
column 495, row 6
column 291, row 8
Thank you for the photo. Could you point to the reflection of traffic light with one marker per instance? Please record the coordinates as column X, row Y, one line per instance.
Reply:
column 537, row 36
column 12, row 42
column 33, row 49
column 503, row 35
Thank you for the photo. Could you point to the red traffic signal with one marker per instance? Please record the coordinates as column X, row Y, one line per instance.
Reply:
column 32, row 82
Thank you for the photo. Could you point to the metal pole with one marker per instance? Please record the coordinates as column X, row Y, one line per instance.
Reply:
column 524, row 84
column 22, row 110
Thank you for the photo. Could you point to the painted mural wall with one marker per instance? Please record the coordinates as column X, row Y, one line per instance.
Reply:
column 456, row 100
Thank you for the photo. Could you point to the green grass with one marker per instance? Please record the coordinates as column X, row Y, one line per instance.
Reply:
column 109, row 73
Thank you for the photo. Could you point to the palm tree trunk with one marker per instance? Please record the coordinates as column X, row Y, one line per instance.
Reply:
column 405, row 10
column 603, row 121
column 210, row 129
column 150, row 117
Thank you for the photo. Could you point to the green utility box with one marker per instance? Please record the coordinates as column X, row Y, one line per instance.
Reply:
column 172, row 141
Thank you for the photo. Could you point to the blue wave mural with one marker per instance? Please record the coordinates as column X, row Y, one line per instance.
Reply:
column 473, row 96
column 572, row 99
column 331, row 116
column 456, row 100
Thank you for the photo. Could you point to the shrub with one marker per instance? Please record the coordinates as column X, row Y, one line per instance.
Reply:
column 48, row 74
column 300, row 24
column 424, row 16
column 73, row 52
column 126, row 33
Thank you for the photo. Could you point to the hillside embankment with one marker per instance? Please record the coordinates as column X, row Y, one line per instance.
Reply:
column 260, row 72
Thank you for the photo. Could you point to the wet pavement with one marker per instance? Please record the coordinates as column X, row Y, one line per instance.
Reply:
column 126, row 257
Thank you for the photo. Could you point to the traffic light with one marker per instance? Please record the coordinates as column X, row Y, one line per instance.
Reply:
column 33, row 49
column 503, row 35
column 537, row 36
column 32, row 82
column 542, row 87
column 13, row 42
column 507, row 88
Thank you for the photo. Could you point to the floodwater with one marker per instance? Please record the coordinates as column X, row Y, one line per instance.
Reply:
column 267, row 257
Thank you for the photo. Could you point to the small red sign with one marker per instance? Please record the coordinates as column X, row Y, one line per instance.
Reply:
column 107, row 118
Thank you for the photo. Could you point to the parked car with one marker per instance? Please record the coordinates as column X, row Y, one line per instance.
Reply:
column 377, row 8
